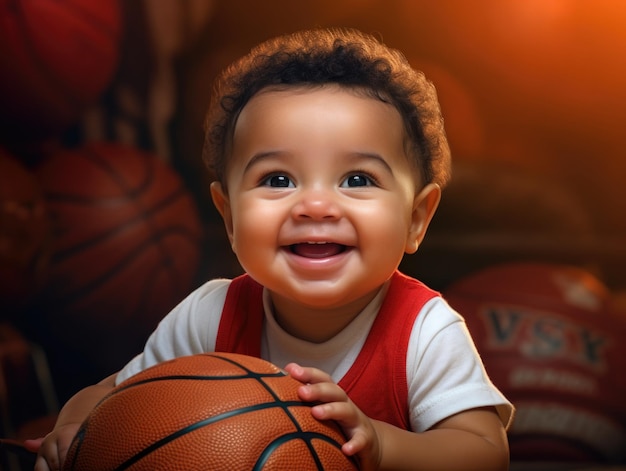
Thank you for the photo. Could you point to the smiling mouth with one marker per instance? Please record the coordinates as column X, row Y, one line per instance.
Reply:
column 317, row 250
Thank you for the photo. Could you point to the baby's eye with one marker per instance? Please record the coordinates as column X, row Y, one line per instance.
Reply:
column 278, row 181
column 357, row 179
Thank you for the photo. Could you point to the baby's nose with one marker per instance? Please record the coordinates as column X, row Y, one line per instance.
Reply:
column 317, row 203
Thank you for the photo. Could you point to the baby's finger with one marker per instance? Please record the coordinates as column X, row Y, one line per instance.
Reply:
column 342, row 412
column 355, row 444
column 49, row 463
column 322, row 392
column 49, row 456
column 307, row 375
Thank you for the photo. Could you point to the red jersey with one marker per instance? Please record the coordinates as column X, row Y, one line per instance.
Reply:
column 376, row 382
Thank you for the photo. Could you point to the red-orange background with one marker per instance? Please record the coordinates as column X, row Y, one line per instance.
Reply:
column 533, row 97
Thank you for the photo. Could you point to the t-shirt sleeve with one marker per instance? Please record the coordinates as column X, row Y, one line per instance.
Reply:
column 445, row 373
column 190, row 328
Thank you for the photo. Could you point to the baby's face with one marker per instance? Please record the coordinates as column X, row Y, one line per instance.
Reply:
column 322, row 200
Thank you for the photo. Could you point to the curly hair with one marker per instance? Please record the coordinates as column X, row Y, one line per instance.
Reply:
column 346, row 57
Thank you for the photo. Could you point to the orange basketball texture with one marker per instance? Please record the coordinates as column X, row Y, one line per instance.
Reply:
column 217, row 411
column 56, row 57
column 126, row 249
column 550, row 344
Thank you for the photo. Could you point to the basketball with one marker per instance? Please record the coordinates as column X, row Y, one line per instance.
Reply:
column 218, row 411
column 24, row 236
column 549, row 343
column 126, row 248
column 55, row 59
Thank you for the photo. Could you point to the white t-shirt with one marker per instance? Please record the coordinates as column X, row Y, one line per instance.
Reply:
column 445, row 375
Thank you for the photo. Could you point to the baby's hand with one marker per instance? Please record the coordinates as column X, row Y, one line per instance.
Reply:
column 336, row 405
column 54, row 447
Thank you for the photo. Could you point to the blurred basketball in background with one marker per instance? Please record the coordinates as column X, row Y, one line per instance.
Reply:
column 127, row 247
column 549, row 343
column 24, row 236
column 55, row 59
column 496, row 213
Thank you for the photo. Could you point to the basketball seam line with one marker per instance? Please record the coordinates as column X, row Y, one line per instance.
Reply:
column 203, row 423
column 307, row 437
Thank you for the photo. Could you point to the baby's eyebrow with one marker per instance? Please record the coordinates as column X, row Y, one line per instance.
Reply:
column 374, row 157
column 355, row 156
column 260, row 156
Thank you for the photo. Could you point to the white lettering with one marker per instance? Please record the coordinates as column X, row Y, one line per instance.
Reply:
column 549, row 378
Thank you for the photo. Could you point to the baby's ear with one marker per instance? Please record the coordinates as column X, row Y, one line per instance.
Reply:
column 222, row 203
column 424, row 206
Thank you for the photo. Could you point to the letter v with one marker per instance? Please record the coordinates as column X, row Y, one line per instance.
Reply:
column 503, row 323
